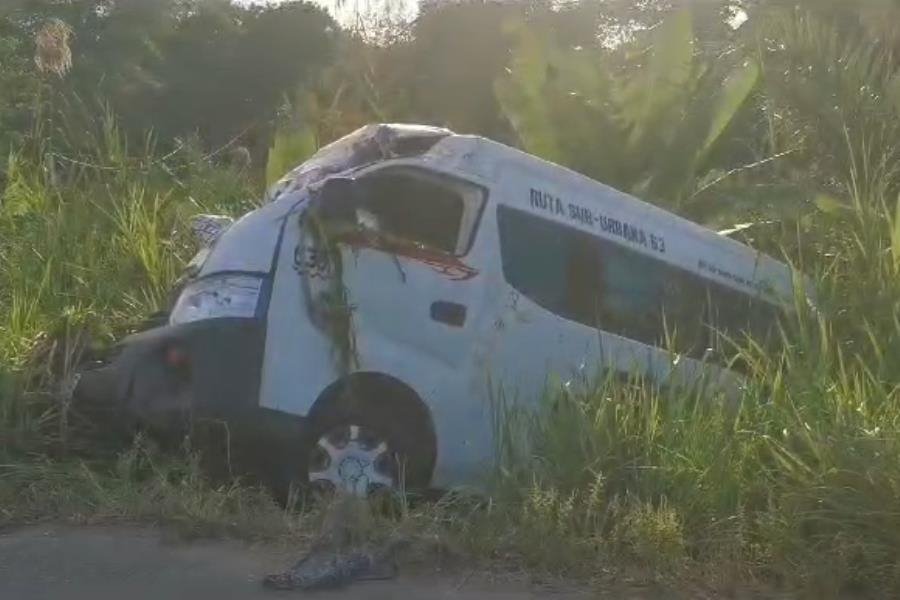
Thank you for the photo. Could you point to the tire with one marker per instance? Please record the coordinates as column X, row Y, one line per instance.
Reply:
column 379, row 413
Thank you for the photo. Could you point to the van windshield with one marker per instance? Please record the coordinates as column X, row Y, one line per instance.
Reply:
column 406, row 207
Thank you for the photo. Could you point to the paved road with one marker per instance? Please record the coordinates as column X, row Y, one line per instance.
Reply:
column 125, row 563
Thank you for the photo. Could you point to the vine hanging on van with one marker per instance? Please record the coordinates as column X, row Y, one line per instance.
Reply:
column 331, row 309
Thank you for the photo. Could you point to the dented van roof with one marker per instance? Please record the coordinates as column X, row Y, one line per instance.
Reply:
column 366, row 145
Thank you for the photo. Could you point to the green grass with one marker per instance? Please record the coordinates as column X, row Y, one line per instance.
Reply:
column 89, row 247
column 799, row 486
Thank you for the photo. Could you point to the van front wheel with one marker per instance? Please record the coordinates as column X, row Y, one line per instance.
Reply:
column 355, row 459
column 369, row 434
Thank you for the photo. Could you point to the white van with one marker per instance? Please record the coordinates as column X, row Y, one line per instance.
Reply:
column 367, row 312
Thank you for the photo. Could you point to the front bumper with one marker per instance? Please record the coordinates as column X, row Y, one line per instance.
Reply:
column 207, row 369
column 192, row 379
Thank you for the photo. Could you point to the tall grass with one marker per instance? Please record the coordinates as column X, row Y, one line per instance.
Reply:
column 91, row 238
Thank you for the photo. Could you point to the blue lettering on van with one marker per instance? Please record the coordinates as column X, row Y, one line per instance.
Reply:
column 547, row 202
column 581, row 214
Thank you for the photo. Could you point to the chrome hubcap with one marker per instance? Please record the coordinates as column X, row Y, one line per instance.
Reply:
column 352, row 460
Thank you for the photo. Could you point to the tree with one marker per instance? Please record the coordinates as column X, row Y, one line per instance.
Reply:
column 179, row 67
column 833, row 92
column 226, row 69
column 454, row 53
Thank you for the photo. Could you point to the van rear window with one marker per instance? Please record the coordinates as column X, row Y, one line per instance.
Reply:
column 602, row 284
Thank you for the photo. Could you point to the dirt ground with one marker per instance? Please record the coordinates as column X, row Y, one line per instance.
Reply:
column 133, row 563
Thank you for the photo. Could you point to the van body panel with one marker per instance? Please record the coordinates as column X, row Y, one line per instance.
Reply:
column 251, row 241
column 531, row 347
column 298, row 359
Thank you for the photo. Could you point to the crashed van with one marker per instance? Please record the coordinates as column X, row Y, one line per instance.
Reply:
column 369, row 314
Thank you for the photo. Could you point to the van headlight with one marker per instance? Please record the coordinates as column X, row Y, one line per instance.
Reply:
column 216, row 297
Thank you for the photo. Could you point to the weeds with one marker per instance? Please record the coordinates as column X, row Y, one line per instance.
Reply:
column 143, row 486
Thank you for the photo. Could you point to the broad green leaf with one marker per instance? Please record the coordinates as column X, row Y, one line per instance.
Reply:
column 657, row 92
column 736, row 88
column 523, row 95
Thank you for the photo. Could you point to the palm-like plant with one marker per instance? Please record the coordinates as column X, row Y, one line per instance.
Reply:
column 646, row 116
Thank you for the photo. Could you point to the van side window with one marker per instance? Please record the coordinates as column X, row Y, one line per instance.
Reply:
column 603, row 284
column 534, row 254
column 650, row 301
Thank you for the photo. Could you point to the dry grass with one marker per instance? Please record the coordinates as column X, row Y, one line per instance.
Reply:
column 53, row 53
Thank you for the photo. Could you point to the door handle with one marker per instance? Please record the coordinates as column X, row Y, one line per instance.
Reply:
column 449, row 313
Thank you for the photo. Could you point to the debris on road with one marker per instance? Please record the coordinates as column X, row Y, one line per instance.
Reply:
column 342, row 553
column 327, row 570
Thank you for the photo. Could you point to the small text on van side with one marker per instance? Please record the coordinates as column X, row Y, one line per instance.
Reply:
column 547, row 202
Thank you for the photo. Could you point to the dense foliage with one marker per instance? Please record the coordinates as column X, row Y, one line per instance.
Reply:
column 774, row 120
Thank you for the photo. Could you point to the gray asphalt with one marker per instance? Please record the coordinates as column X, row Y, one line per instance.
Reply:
column 130, row 563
